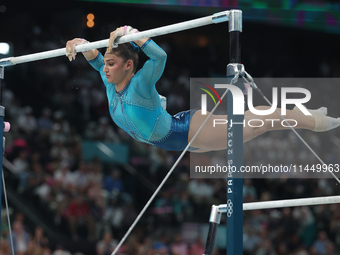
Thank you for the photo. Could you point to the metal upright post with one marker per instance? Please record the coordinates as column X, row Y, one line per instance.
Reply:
column 2, row 115
column 235, row 144
column 215, row 218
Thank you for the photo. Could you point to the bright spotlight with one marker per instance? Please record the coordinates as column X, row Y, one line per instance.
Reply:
column 4, row 48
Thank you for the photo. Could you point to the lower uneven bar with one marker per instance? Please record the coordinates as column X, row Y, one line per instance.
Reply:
column 286, row 203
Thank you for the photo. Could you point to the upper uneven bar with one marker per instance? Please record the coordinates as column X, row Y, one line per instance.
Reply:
column 215, row 18
column 285, row 203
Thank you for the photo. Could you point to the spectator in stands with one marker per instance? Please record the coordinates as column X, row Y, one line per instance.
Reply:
column 106, row 245
column 129, row 212
column 39, row 238
column 81, row 178
column 64, row 175
column 178, row 247
column 95, row 174
column 64, row 124
column 58, row 151
column 59, row 200
column 249, row 191
column 33, row 249
column 57, row 136
column 97, row 206
column 78, row 213
column 265, row 248
column 330, row 249
column 288, row 225
column 183, row 208
column 201, row 191
column 114, row 215
column 91, row 130
column 4, row 225
column 251, row 240
column 19, row 217
column 197, row 248
column 161, row 250
column 60, row 250
column 320, row 245
column 26, row 122
column 4, row 247
column 305, row 217
column 94, row 191
column 164, row 208
column 20, row 238
column 37, row 177
column 14, row 111
column 44, row 122
column 163, row 241
column 113, row 182
column 21, row 170
column 105, row 132
column 295, row 244
column 281, row 249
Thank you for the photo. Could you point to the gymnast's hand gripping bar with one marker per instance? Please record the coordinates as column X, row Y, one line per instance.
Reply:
column 212, row 19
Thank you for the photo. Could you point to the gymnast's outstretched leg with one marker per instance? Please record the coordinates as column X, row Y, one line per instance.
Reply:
column 213, row 138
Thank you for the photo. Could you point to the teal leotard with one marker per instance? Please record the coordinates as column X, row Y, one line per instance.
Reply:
column 137, row 108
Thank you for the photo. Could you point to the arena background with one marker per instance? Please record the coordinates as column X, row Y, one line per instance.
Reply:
column 280, row 39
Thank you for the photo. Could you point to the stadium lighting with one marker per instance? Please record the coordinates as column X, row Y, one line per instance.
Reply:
column 4, row 48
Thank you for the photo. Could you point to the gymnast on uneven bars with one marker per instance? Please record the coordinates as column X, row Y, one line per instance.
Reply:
column 136, row 106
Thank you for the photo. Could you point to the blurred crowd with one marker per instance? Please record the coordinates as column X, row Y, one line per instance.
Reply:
column 54, row 105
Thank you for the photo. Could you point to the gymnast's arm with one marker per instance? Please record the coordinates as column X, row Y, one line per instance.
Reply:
column 91, row 54
column 152, row 69
column 71, row 51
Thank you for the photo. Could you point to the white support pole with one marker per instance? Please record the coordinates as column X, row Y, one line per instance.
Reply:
column 285, row 203
column 215, row 18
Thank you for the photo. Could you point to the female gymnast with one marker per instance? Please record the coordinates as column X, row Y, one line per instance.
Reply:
column 135, row 104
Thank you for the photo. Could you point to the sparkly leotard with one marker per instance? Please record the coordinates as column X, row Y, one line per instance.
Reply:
column 137, row 108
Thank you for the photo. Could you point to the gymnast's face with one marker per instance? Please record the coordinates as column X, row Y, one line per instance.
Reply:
column 116, row 69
